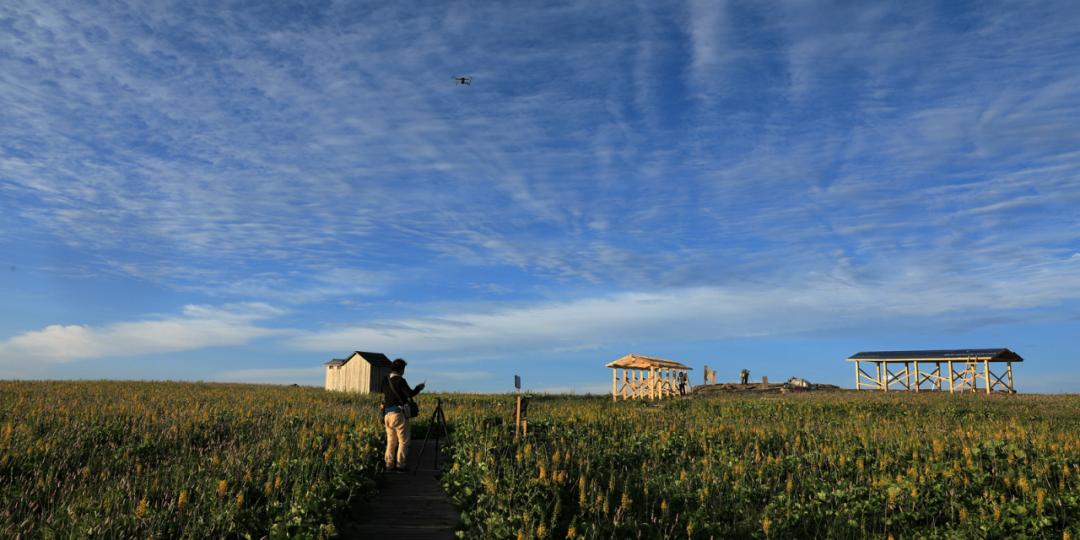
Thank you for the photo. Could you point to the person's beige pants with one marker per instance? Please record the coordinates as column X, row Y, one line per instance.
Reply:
column 397, row 440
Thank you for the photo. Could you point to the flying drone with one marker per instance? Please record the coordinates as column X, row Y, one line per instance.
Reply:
column 463, row 81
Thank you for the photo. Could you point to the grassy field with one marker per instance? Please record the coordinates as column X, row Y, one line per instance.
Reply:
column 838, row 465
column 171, row 460
column 116, row 459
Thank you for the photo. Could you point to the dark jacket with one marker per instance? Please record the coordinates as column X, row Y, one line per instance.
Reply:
column 401, row 388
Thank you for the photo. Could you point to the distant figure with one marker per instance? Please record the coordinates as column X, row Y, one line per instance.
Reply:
column 682, row 383
column 396, row 395
column 744, row 376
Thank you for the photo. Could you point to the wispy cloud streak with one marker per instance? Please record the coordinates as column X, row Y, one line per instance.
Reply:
column 318, row 155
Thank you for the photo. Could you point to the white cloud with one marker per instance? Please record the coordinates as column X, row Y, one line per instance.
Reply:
column 818, row 302
column 301, row 287
column 203, row 153
column 247, row 154
column 709, row 27
column 198, row 327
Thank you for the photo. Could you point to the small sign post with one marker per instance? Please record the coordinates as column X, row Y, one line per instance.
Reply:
column 519, row 412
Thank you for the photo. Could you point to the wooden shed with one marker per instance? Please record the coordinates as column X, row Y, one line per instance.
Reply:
column 360, row 372
column 645, row 377
column 966, row 370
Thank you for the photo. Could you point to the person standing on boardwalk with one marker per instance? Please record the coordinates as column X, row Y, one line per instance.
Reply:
column 744, row 376
column 396, row 394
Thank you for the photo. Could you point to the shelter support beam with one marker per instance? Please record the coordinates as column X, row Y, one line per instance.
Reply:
column 615, row 385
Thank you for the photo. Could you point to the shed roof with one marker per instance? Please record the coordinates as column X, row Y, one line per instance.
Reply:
column 636, row 361
column 992, row 355
column 373, row 358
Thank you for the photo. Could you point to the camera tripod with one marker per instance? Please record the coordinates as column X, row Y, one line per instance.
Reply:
column 438, row 420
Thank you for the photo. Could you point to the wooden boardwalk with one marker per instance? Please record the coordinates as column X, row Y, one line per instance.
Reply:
column 408, row 507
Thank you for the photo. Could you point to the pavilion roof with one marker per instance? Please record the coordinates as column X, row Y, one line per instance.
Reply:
column 944, row 355
column 636, row 361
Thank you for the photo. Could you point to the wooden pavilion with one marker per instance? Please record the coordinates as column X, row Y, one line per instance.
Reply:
column 644, row 377
column 966, row 370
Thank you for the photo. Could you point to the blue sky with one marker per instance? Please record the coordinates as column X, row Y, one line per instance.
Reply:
column 239, row 191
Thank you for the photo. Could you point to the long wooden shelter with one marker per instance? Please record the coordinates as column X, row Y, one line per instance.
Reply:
column 645, row 377
column 965, row 370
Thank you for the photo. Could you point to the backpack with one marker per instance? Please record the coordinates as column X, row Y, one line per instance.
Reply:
column 408, row 406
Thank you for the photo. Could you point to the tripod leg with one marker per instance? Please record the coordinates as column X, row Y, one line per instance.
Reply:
column 427, row 435
column 438, row 438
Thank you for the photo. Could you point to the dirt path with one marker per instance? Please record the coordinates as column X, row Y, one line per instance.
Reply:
column 409, row 506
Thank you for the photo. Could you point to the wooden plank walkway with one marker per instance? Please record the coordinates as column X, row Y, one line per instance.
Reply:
column 408, row 507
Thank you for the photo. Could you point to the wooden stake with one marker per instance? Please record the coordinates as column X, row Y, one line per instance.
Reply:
column 614, row 384
column 660, row 383
column 952, row 377
column 858, row 381
column 517, row 418
column 652, row 380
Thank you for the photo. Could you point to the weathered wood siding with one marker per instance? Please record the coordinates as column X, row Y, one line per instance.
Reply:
column 355, row 375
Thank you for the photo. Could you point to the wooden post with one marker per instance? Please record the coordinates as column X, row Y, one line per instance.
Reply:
column 660, row 382
column 952, row 381
column 1012, row 388
column 652, row 383
column 885, row 371
column 614, row 384
column 517, row 418
column 858, row 376
column 986, row 373
column 917, row 381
